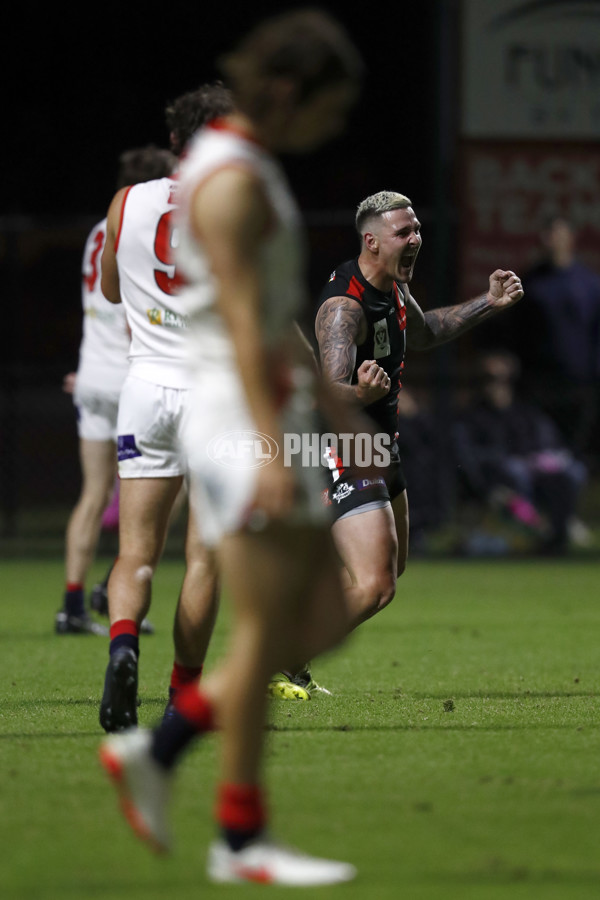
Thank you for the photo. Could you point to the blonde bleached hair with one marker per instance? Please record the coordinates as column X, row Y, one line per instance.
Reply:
column 378, row 204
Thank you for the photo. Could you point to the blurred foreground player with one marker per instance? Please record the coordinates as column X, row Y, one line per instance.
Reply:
column 138, row 270
column 96, row 386
column 294, row 79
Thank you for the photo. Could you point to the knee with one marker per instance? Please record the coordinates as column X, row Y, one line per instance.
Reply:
column 201, row 564
column 379, row 592
column 94, row 500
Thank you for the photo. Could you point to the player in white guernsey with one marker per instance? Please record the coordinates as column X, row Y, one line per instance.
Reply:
column 294, row 78
column 100, row 375
column 138, row 271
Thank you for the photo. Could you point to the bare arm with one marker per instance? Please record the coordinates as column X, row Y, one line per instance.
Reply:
column 110, row 273
column 303, row 349
column 436, row 326
column 340, row 327
column 229, row 215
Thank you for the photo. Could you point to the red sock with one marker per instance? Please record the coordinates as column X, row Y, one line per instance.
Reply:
column 72, row 586
column 124, row 626
column 240, row 808
column 182, row 675
column 124, row 633
column 195, row 707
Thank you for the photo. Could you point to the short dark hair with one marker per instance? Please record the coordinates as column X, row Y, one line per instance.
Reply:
column 144, row 164
column 186, row 114
column 307, row 46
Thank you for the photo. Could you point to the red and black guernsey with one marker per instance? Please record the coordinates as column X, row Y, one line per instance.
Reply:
column 386, row 337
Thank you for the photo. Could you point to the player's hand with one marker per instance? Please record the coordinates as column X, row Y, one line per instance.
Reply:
column 373, row 382
column 274, row 496
column 69, row 381
column 505, row 289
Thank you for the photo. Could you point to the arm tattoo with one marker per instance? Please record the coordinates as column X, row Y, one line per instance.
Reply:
column 338, row 328
column 440, row 325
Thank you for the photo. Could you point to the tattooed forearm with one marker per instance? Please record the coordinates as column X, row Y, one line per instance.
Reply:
column 440, row 325
column 339, row 328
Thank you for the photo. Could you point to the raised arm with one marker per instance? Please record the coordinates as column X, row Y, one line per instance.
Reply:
column 340, row 327
column 436, row 326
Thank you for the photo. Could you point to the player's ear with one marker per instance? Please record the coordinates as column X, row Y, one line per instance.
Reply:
column 371, row 241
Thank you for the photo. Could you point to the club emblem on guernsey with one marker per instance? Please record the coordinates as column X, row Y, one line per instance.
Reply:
column 381, row 339
column 154, row 316
column 342, row 491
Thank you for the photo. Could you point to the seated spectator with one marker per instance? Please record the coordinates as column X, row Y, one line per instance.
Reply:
column 512, row 457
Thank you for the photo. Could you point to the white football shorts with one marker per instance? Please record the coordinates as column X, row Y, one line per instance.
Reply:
column 225, row 453
column 149, row 430
column 96, row 413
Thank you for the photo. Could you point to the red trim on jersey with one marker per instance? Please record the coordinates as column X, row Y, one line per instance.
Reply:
column 356, row 289
column 338, row 464
column 118, row 235
column 90, row 280
column 223, row 124
column 400, row 307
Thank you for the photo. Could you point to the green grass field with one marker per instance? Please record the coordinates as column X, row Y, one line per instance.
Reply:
column 459, row 758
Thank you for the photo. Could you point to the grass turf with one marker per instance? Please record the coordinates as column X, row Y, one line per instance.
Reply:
column 457, row 759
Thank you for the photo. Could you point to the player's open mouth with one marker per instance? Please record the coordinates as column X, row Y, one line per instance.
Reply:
column 407, row 261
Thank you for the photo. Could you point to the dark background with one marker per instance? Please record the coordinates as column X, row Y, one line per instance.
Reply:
column 86, row 83
column 95, row 81
column 92, row 83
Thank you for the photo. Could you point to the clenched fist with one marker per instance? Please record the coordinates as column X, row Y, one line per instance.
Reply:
column 373, row 382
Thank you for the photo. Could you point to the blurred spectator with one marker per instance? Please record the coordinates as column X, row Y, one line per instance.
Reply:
column 512, row 457
column 557, row 336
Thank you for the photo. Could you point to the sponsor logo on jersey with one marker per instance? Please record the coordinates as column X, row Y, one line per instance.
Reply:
column 363, row 483
column 166, row 317
column 127, row 447
column 154, row 316
column 342, row 491
column 174, row 320
column 101, row 314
